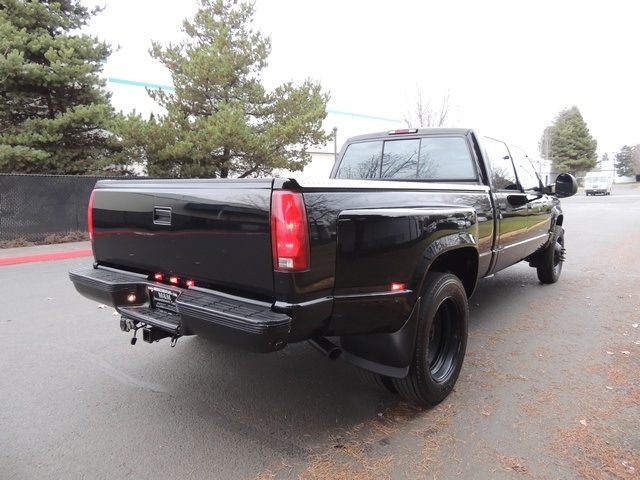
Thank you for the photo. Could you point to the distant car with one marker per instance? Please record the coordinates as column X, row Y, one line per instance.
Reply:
column 597, row 183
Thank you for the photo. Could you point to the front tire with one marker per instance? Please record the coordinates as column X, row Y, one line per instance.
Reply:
column 441, row 341
column 552, row 258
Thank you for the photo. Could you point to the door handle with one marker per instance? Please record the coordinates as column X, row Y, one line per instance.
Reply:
column 162, row 215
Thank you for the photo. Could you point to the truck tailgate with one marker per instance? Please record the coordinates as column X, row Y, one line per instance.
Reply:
column 215, row 232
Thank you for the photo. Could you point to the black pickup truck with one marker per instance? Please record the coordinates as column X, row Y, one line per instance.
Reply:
column 382, row 257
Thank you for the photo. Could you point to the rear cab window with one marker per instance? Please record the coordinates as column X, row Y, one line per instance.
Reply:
column 435, row 158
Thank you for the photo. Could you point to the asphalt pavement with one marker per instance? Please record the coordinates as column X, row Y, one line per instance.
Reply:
column 550, row 387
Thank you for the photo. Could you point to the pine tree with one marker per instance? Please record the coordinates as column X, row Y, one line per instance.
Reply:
column 624, row 162
column 54, row 110
column 221, row 122
column 568, row 143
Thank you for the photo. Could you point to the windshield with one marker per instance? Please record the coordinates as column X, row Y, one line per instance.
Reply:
column 597, row 179
column 428, row 158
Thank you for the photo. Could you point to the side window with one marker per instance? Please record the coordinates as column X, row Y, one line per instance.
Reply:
column 400, row 158
column 502, row 173
column 526, row 173
column 361, row 160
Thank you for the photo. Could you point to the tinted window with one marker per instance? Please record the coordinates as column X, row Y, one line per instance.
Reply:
column 361, row 160
column 400, row 158
column 526, row 173
column 445, row 158
column 429, row 158
column 503, row 176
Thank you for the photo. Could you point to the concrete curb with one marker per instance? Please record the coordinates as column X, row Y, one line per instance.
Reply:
column 41, row 253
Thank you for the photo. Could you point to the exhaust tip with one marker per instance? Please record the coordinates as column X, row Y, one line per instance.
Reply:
column 328, row 348
column 334, row 353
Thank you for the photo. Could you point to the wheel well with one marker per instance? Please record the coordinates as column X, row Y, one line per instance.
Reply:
column 461, row 262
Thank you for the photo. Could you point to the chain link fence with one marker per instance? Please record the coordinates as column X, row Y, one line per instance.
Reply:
column 33, row 207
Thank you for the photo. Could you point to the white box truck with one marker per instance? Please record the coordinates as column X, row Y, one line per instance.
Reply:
column 598, row 183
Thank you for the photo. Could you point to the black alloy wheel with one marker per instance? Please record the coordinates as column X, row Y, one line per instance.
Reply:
column 441, row 341
column 552, row 258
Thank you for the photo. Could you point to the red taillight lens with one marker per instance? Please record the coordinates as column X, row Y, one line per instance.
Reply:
column 289, row 232
column 90, row 215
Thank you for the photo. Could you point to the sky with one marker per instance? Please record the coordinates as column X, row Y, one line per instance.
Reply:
column 509, row 67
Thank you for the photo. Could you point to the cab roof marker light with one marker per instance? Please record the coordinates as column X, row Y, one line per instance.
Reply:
column 190, row 283
column 158, row 277
column 402, row 131
column 174, row 280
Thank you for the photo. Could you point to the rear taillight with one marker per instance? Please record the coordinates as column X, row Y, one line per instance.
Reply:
column 289, row 232
column 90, row 215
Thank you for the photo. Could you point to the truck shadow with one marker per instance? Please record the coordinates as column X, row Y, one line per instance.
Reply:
column 291, row 399
column 295, row 399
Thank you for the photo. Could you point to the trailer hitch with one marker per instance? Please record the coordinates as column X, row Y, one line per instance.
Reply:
column 126, row 325
column 150, row 334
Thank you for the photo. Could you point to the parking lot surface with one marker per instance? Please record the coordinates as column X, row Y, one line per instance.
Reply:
column 550, row 387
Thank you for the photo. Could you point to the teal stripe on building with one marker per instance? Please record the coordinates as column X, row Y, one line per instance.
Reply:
column 170, row 88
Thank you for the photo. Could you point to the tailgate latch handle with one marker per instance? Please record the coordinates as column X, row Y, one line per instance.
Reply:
column 162, row 215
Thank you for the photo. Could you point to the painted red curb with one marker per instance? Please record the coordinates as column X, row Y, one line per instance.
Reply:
column 41, row 257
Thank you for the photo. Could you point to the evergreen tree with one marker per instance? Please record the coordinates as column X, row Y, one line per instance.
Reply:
column 568, row 143
column 221, row 122
column 54, row 111
column 624, row 162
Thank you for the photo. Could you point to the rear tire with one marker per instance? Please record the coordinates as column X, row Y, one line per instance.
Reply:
column 441, row 341
column 377, row 381
column 552, row 258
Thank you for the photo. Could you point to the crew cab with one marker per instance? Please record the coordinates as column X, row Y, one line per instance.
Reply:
column 377, row 262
